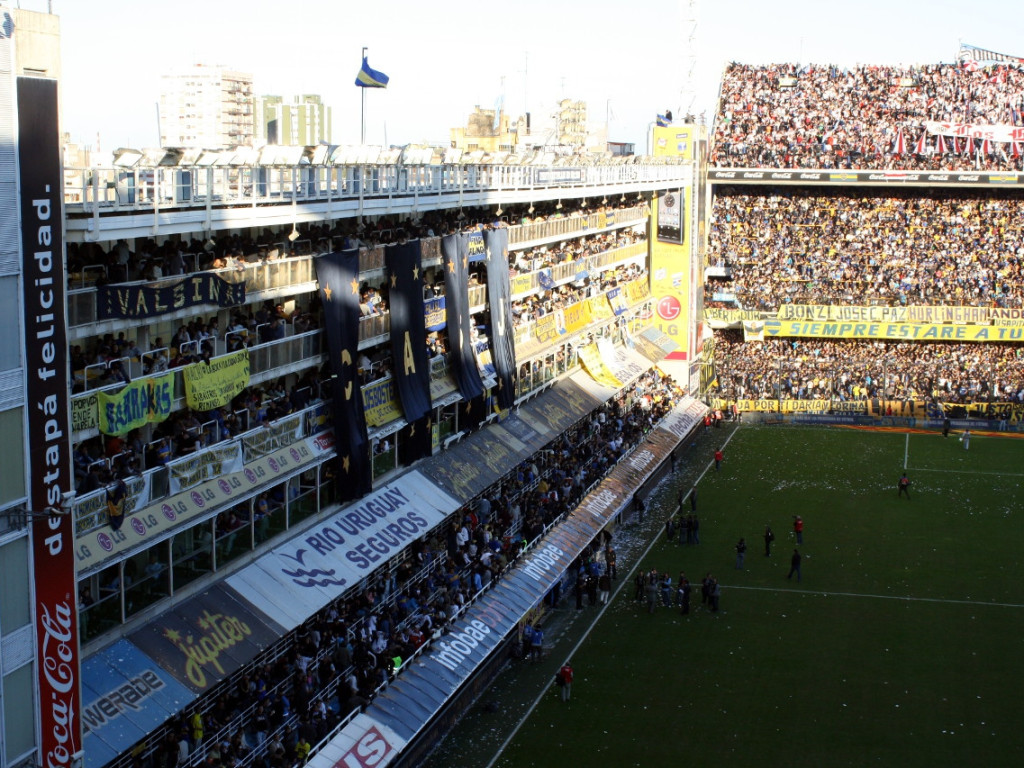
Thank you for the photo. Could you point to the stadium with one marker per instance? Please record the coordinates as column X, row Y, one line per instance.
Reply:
column 354, row 448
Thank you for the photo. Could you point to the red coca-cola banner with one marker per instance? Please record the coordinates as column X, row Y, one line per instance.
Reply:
column 46, row 360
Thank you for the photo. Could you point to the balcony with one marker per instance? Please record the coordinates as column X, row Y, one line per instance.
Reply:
column 554, row 229
column 109, row 203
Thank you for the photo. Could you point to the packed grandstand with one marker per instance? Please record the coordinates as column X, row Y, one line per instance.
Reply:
column 837, row 271
column 882, row 252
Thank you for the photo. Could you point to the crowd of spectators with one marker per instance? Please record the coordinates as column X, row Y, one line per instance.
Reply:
column 542, row 257
column 531, row 308
column 857, row 369
column 270, row 713
column 150, row 261
column 794, row 245
column 792, row 116
column 104, row 459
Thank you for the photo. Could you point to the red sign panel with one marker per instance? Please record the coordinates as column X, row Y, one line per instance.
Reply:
column 49, row 456
column 372, row 749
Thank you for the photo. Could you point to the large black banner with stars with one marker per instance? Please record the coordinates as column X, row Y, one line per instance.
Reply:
column 455, row 252
column 499, row 330
column 338, row 275
column 410, row 365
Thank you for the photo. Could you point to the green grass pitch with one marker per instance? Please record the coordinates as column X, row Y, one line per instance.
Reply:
column 902, row 646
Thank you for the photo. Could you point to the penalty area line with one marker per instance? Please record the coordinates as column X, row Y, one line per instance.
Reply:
column 905, row 598
column 964, row 471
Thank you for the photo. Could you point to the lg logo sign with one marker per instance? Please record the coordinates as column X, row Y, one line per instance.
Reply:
column 669, row 308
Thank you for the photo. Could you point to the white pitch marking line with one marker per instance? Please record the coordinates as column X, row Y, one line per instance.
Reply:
column 905, row 598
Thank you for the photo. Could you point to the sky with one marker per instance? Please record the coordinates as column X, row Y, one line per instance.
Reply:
column 628, row 61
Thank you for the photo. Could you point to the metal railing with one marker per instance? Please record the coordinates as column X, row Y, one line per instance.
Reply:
column 266, row 361
column 90, row 510
column 571, row 223
column 528, row 283
column 266, row 275
column 91, row 190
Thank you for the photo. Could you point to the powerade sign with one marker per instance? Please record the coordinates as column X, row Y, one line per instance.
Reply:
column 872, row 178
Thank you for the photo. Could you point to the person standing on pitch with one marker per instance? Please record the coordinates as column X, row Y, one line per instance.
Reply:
column 965, row 438
column 741, row 553
column 798, row 528
column 904, row 486
column 718, row 459
column 769, row 537
column 565, row 675
column 794, row 565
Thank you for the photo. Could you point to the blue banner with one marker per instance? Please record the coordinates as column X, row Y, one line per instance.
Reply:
column 410, row 366
column 499, row 329
column 433, row 311
column 125, row 696
column 142, row 301
column 475, row 247
column 455, row 251
column 338, row 278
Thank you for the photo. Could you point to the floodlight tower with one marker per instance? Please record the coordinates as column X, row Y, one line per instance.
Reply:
column 688, row 92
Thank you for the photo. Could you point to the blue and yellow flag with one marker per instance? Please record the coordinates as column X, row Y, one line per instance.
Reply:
column 663, row 121
column 371, row 78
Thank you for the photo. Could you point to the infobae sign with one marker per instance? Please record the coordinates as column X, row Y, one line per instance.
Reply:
column 49, row 455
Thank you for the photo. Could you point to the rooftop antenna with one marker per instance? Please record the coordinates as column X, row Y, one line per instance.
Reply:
column 688, row 93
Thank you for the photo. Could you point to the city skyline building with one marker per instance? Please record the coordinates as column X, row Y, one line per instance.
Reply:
column 302, row 120
column 207, row 106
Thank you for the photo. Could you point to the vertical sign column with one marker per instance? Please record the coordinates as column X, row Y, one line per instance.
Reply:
column 46, row 364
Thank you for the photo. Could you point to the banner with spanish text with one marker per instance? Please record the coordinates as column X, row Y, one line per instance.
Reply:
column 1009, row 317
column 770, row 405
column 143, row 301
column 215, row 461
column 380, row 403
column 433, row 311
column 720, row 318
column 85, row 412
column 521, row 284
column 143, row 401
column 600, row 308
column 577, row 316
column 214, row 384
column 546, row 329
column 617, row 299
column 475, row 247
column 636, row 291
column 1003, row 132
column 1010, row 412
column 887, row 314
column 33, row 187
column 894, row 331
column 594, row 364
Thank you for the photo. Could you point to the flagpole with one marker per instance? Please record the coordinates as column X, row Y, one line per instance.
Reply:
column 362, row 111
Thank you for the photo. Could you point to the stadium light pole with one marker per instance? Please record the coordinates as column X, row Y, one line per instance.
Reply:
column 650, row 136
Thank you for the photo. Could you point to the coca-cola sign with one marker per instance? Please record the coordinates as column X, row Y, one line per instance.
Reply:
column 43, row 281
